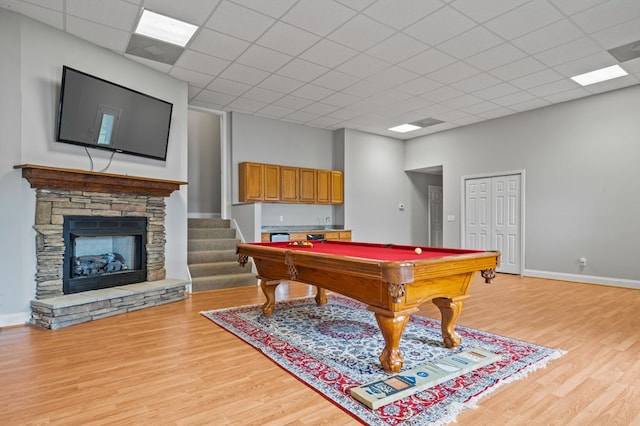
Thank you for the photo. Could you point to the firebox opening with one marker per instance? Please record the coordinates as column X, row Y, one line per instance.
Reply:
column 103, row 252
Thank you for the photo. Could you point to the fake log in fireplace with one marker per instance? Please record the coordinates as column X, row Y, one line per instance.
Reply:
column 102, row 252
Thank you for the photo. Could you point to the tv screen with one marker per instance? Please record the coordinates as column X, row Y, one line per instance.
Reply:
column 97, row 113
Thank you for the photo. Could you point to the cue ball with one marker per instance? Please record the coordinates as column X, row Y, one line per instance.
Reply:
column 418, row 250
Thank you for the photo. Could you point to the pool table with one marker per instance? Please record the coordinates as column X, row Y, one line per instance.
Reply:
column 393, row 280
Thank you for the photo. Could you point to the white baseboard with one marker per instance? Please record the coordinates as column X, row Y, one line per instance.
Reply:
column 588, row 279
column 17, row 318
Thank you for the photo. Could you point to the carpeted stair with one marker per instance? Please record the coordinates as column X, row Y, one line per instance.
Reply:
column 212, row 258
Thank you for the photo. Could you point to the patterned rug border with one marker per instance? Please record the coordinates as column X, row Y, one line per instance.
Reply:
column 356, row 409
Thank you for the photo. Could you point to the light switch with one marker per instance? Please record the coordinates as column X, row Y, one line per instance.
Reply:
column 451, row 218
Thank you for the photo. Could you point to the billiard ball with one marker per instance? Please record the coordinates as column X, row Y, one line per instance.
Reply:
column 418, row 250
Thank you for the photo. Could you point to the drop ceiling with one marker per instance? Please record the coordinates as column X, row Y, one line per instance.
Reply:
column 370, row 65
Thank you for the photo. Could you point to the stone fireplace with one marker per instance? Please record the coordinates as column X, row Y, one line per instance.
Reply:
column 89, row 206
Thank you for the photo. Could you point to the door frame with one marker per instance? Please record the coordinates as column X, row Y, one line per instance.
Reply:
column 463, row 207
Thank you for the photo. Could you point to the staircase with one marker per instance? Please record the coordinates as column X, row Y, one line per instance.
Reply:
column 212, row 258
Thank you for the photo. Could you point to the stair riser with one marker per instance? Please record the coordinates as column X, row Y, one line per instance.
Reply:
column 196, row 257
column 221, row 268
column 208, row 223
column 214, row 283
column 211, row 234
column 208, row 245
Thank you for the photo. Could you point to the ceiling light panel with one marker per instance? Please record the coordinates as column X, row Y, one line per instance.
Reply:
column 597, row 76
column 164, row 28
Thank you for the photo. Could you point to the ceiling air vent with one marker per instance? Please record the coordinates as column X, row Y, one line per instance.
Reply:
column 153, row 49
column 626, row 52
column 426, row 122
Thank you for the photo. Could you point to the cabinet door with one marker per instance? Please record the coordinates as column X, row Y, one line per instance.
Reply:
column 289, row 184
column 271, row 182
column 323, row 191
column 250, row 182
column 345, row 235
column 337, row 196
column 307, row 186
column 297, row 236
column 332, row 235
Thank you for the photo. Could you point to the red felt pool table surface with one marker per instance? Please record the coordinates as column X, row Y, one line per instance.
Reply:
column 372, row 251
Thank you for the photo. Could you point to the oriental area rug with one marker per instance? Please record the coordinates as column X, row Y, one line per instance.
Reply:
column 335, row 347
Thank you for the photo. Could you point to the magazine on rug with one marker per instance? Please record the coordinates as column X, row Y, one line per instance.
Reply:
column 385, row 391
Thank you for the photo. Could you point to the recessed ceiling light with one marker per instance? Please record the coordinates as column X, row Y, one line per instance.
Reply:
column 163, row 28
column 404, row 128
column 597, row 76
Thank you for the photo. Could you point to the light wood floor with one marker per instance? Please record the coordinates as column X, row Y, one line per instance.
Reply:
column 169, row 365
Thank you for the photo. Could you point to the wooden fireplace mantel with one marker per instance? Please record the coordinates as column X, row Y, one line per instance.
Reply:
column 45, row 177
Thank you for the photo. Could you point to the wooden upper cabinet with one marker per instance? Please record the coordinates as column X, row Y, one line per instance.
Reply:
column 323, row 190
column 337, row 187
column 307, row 185
column 286, row 184
column 258, row 182
column 289, row 187
column 271, row 182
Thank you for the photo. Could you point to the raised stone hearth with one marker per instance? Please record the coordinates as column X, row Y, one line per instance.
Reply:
column 66, row 192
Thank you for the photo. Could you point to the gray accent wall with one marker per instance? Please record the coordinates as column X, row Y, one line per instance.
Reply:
column 204, row 164
column 582, row 182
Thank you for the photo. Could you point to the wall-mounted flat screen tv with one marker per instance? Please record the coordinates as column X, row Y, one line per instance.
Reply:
column 97, row 113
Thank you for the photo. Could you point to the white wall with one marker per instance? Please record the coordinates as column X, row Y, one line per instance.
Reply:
column 374, row 185
column 582, row 180
column 33, row 55
column 204, row 164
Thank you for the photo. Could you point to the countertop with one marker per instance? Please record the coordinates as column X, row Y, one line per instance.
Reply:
column 301, row 228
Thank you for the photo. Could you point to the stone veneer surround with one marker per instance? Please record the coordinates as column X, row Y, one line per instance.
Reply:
column 53, row 205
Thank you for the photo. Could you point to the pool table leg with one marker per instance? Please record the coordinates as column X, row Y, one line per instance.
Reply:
column 450, row 310
column 269, row 290
column 391, row 325
column 321, row 296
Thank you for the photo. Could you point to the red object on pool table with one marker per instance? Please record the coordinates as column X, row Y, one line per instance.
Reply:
column 393, row 280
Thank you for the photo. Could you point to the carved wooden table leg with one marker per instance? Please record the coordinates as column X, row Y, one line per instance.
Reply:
column 391, row 325
column 321, row 296
column 450, row 311
column 269, row 290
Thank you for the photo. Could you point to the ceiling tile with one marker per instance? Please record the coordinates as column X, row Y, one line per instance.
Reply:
column 197, row 61
column 575, row 49
column 361, row 33
column 281, row 84
column 604, row 15
column 419, row 86
column 318, row 17
column 440, row 26
column 328, row 53
column 218, row 44
column 335, row 80
column 482, row 11
column 559, row 32
column 302, row 70
column 454, row 72
column 496, row 91
column 495, row 57
column 570, row 7
column 194, row 78
column 395, row 15
column 292, row 102
column 470, row 43
column 273, row 8
column 618, row 35
column 276, row 111
column 246, row 105
column 477, row 82
column 212, row 96
column 313, row 92
column 428, row 61
column 192, row 11
column 238, row 21
column 108, row 37
column 518, row 68
column 50, row 14
column 244, row 74
column 514, row 98
column 363, row 66
column 397, row 48
column 528, row 17
column 320, row 108
column 228, row 87
column 442, row 94
column 263, row 58
column 115, row 13
column 287, row 39
column 262, row 95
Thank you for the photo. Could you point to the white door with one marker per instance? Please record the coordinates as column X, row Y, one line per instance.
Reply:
column 435, row 215
column 477, row 213
column 506, row 221
column 493, row 218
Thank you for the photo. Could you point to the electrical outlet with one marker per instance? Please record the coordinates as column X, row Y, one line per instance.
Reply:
column 582, row 261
